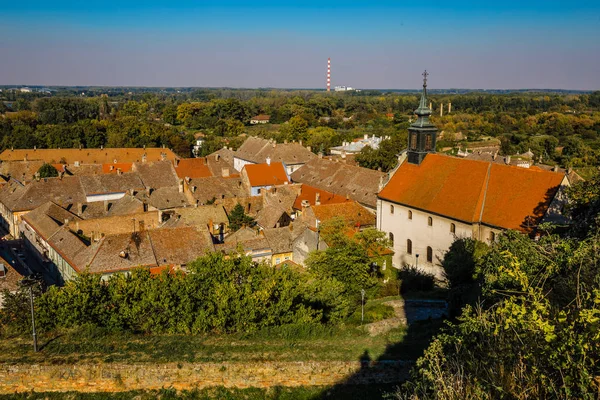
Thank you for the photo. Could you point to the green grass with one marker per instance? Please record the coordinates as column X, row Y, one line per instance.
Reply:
column 345, row 343
column 365, row 392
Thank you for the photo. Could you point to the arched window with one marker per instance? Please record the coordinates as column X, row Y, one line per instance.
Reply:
column 409, row 214
column 408, row 246
column 492, row 236
column 392, row 238
column 391, row 208
column 429, row 221
column 452, row 228
column 429, row 254
column 428, row 142
column 413, row 141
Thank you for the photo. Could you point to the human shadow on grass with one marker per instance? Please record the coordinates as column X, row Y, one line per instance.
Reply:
column 384, row 375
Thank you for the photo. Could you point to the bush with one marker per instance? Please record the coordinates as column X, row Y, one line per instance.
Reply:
column 373, row 313
column 415, row 280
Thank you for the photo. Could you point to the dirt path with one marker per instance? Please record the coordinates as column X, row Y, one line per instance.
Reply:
column 413, row 310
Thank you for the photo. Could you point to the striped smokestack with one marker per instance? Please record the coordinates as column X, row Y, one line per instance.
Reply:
column 329, row 74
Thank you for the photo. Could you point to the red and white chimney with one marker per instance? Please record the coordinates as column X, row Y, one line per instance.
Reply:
column 329, row 74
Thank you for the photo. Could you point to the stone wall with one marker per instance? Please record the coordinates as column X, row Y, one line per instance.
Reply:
column 114, row 377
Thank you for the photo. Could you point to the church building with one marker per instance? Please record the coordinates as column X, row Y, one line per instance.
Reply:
column 432, row 199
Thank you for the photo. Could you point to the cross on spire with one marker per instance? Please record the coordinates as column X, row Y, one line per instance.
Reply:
column 425, row 75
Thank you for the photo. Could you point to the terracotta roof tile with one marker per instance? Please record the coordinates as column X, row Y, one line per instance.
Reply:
column 257, row 150
column 309, row 193
column 459, row 189
column 193, row 168
column 88, row 156
column 265, row 174
column 359, row 184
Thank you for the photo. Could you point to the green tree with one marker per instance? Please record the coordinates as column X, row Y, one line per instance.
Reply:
column 238, row 218
column 47, row 171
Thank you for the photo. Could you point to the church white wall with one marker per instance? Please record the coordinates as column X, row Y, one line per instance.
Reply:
column 438, row 236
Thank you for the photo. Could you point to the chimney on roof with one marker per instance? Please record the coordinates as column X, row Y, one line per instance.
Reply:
column 37, row 176
column 181, row 186
column 308, row 148
column 193, row 187
column 144, row 157
column 225, row 172
column 163, row 156
column 366, row 136
column 34, row 148
column 177, row 162
column 268, row 160
column 320, row 154
column 112, row 167
column 284, row 141
column 25, row 158
column 217, row 157
column 79, row 208
column 507, row 160
column 318, row 199
column 300, row 142
column 119, row 171
column 101, row 147
column 274, row 143
column 555, row 169
column 343, row 154
column 305, row 204
column 60, row 174
column 106, row 206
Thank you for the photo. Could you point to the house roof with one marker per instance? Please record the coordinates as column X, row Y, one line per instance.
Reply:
column 352, row 212
column 112, row 168
column 248, row 238
column 88, row 156
column 12, row 277
column 201, row 216
column 281, row 239
column 20, row 170
column 156, row 174
column 116, row 224
column 471, row 191
column 266, row 174
column 309, row 193
column 216, row 187
column 164, row 198
column 48, row 218
column 261, row 117
column 62, row 191
column 359, row 184
column 100, row 184
column 256, row 150
column 193, row 168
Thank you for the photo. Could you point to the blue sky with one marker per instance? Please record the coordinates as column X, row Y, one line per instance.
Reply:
column 372, row 44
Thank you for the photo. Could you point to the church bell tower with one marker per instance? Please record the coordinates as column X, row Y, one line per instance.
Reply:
column 422, row 134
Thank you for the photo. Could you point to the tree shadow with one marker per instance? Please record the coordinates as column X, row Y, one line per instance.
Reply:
column 381, row 376
column 548, row 210
column 42, row 347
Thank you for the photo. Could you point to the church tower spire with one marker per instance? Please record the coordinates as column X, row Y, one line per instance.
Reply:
column 422, row 134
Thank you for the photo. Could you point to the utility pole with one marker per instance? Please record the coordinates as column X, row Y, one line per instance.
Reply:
column 362, row 313
column 29, row 282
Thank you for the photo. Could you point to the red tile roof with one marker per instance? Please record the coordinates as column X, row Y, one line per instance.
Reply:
column 354, row 214
column 471, row 191
column 266, row 174
column 193, row 168
column 261, row 117
column 310, row 193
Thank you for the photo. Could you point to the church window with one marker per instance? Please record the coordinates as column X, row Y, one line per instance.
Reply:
column 452, row 228
column 429, row 254
column 392, row 238
column 408, row 246
column 413, row 141
column 428, row 142
column 391, row 208
column 429, row 221
column 409, row 214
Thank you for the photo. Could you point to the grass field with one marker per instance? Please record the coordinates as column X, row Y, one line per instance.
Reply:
column 287, row 343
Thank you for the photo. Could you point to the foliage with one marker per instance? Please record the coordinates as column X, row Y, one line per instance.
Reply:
column 373, row 313
column 385, row 157
column 47, row 171
column 414, row 279
column 535, row 330
column 217, row 295
column 238, row 218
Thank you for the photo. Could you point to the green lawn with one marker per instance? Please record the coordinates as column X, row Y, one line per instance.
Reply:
column 288, row 343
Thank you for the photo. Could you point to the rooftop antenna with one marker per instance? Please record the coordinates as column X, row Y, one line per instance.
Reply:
column 329, row 74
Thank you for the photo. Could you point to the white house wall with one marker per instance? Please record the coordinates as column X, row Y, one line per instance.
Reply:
column 438, row 236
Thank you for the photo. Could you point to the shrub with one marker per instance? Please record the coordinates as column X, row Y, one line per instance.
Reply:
column 415, row 280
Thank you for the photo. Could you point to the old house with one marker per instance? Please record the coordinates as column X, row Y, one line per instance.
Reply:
column 260, row 177
column 432, row 199
column 256, row 150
